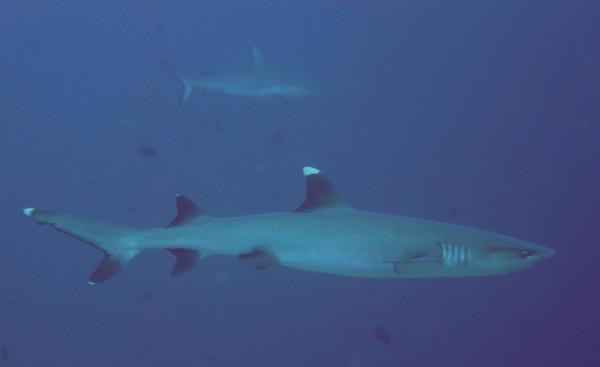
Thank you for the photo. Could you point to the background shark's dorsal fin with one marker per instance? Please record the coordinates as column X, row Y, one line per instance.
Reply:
column 259, row 63
column 320, row 192
column 186, row 211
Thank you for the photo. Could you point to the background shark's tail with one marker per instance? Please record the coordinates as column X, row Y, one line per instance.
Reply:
column 188, row 88
column 115, row 241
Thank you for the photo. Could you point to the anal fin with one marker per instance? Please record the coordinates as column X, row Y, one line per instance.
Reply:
column 186, row 260
column 111, row 265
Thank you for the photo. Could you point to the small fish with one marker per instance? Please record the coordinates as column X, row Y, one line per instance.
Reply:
column 277, row 137
column 159, row 29
column 145, row 295
column 381, row 333
column 4, row 354
column 147, row 151
column 454, row 212
column 218, row 126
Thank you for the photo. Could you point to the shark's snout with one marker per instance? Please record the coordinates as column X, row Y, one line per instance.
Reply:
column 539, row 254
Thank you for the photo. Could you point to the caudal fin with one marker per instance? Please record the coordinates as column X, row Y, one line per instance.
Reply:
column 115, row 241
column 188, row 88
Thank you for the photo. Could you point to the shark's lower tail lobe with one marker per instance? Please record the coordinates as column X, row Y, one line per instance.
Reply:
column 115, row 241
column 187, row 86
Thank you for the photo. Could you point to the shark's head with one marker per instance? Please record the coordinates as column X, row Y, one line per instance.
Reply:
column 458, row 251
column 488, row 253
column 504, row 258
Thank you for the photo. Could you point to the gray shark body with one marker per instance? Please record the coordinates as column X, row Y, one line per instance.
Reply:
column 260, row 80
column 323, row 234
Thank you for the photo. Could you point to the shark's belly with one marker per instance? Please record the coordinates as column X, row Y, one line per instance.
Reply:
column 369, row 262
column 368, row 253
column 342, row 256
column 357, row 268
column 254, row 90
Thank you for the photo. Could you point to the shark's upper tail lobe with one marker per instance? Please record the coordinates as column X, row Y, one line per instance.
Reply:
column 115, row 241
column 188, row 88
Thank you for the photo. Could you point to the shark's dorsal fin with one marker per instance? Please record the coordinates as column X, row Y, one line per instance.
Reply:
column 320, row 192
column 186, row 211
column 259, row 63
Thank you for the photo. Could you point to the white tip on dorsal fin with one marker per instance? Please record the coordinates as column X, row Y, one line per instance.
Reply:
column 320, row 192
column 258, row 60
column 310, row 171
column 28, row 211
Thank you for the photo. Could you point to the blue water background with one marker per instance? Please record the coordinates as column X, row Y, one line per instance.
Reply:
column 482, row 113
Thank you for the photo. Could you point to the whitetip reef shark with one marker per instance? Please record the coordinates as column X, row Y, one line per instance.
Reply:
column 323, row 234
column 260, row 80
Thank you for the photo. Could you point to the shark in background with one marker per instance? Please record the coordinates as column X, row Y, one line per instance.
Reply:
column 260, row 80
column 324, row 234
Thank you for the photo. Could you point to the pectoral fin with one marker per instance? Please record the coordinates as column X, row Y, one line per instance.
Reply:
column 259, row 258
column 416, row 258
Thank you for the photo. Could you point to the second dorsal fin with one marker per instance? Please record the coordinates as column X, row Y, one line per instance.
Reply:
column 320, row 192
column 186, row 211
